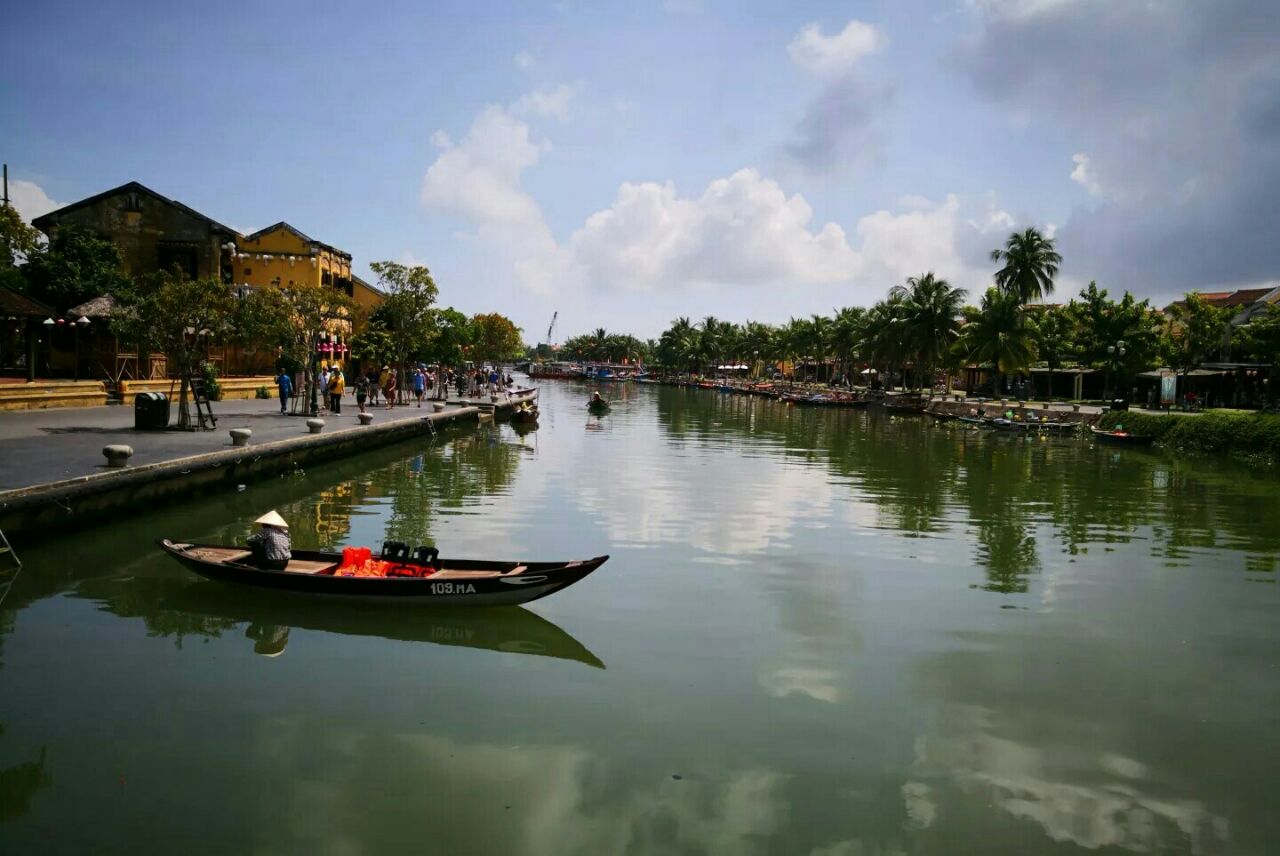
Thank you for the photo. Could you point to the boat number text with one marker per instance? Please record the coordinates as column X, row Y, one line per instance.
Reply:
column 452, row 588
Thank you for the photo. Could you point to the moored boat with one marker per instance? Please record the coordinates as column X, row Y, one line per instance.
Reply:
column 1120, row 437
column 394, row 577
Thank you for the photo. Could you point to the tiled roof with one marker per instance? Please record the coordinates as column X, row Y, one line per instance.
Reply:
column 20, row 306
column 45, row 221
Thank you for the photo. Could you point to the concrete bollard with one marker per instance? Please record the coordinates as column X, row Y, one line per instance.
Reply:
column 437, row 406
column 117, row 456
column 365, row 418
column 240, row 436
column 315, row 426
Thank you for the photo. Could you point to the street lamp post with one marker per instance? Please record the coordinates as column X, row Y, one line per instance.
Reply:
column 1116, row 353
column 79, row 324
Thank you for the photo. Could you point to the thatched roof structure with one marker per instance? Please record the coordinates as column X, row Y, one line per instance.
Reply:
column 98, row 307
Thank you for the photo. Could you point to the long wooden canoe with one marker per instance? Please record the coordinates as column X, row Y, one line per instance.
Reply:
column 456, row 583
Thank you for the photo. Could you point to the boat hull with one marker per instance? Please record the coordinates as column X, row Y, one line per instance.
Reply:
column 538, row 580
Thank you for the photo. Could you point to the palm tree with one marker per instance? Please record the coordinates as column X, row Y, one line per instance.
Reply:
column 1030, row 264
column 931, row 311
column 998, row 335
column 885, row 344
column 848, row 332
column 820, row 333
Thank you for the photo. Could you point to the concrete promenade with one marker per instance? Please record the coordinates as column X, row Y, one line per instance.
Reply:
column 43, row 446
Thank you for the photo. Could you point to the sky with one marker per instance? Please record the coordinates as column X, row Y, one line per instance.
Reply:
column 623, row 164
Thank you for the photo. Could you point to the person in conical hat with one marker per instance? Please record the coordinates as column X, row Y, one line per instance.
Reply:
column 270, row 546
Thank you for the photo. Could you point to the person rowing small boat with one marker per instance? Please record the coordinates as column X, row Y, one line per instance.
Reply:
column 597, row 404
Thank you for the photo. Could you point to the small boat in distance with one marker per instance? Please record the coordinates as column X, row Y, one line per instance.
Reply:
column 1120, row 437
column 397, row 576
column 598, row 405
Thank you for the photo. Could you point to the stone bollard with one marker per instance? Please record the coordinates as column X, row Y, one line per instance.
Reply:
column 117, row 456
column 365, row 418
column 437, row 406
column 240, row 436
column 315, row 425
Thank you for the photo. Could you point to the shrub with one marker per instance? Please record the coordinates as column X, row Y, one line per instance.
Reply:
column 262, row 392
column 209, row 374
column 1252, row 435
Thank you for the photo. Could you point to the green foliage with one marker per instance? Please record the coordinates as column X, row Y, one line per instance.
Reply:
column 74, row 267
column 373, row 344
column 998, row 334
column 178, row 317
column 1105, row 327
column 209, row 374
column 494, row 338
column 1197, row 328
column 1030, row 264
column 18, row 241
column 261, row 392
column 1262, row 337
column 452, row 337
column 930, row 320
column 406, row 314
column 1252, row 435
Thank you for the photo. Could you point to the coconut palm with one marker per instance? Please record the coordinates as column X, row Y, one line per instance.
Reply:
column 848, row 332
column 1030, row 264
column 931, row 312
column 884, row 345
column 998, row 335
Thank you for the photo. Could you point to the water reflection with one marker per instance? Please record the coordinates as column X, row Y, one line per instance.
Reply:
column 271, row 615
column 19, row 785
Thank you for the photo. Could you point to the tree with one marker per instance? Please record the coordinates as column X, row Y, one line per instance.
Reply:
column 406, row 312
column 495, row 338
column 18, row 241
column 997, row 335
column 848, row 334
column 930, row 311
column 1196, row 328
column 452, row 337
column 1053, row 335
column 177, row 316
column 1030, row 264
column 1120, row 337
column 1262, row 336
column 884, row 345
column 74, row 267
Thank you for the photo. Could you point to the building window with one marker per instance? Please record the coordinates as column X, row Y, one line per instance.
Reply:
column 179, row 254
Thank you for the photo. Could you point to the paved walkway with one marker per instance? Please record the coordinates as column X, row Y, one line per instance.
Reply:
column 39, row 446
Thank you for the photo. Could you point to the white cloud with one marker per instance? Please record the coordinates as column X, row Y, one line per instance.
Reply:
column 441, row 140
column 741, row 230
column 30, row 200
column 834, row 55
column 479, row 179
column 551, row 102
column 524, row 60
column 1084, row 175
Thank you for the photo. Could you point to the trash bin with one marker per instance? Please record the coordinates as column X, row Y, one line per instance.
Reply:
column 1119, row 404
column 150, row 411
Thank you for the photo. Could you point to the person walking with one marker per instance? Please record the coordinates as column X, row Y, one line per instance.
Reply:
column 372, row 378
column 362, row 391
column 337, row 385
column 284, row 384
column 419, row 384
column 324, row 385
column 389, row 388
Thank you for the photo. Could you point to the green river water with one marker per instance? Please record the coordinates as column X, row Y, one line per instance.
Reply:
column 826, row 633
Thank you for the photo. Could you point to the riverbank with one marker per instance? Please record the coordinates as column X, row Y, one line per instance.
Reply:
column 53, row 463
column 1252, row 436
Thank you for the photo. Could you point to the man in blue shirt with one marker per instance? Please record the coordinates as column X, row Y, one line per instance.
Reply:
column 285, row 384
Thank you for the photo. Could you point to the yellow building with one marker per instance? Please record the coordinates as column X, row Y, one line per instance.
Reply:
column 281, row 256
column 367, row 299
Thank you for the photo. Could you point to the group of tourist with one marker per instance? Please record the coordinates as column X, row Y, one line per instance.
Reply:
column 419, row 383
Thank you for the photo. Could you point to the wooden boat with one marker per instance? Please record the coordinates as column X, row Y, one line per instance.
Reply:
column 523, row 416
column 456, row 583
column 1121, row 438
column 904, row 405
column 598, row 407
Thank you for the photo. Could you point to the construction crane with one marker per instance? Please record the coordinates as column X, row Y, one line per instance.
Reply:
column 552, row 326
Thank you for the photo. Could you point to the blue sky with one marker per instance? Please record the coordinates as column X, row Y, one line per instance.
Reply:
column 625, row 163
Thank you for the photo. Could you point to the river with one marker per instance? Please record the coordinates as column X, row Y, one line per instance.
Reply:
column 827, row 633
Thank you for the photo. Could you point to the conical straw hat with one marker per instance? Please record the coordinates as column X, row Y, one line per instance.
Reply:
column 271, row 518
